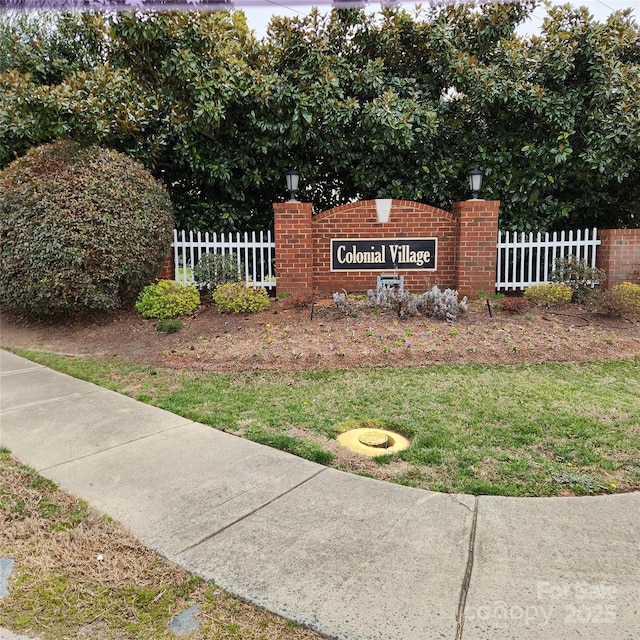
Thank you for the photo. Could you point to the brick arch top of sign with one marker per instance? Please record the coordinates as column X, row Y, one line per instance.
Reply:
column 345, row 236
column 400, row 209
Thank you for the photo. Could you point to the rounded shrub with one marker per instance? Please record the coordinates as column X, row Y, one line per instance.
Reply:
column 549, row 294
column 167, row 299
column 623, row 300
column 214, row 269
column 237, row 297
column 82, row 229
column 579, row 276
column 514, row 305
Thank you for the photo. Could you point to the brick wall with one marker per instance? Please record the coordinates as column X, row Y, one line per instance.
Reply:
column 619, row 255
column 466, row 244
column 359, row 220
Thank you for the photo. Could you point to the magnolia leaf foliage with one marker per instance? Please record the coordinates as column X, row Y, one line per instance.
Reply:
column 396, row 104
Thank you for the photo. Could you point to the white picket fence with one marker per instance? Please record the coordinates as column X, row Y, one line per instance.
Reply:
column 527, row 258
column 523, row 258
column 253, row 253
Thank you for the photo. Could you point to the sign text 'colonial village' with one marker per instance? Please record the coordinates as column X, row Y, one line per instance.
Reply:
column 406, row 254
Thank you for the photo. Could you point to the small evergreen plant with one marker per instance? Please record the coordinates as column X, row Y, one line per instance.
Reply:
column 549, row 294
column 622, row 301
column 237, row 297
column 214, row 269
column 167, row 299
column 627, row 297
column 578, row 275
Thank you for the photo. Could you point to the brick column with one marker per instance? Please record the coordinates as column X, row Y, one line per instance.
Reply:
column 168, row 269
column 619, row 255
column 294, row 255
column 476, row 245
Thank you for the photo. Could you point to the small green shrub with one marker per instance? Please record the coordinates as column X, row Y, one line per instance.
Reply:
column 237, row 297
column 627, row 295
column 167, row 299
column 167, row 325
column 214, row 269
column 578, row 275
column 623, row 300
column 549, row 294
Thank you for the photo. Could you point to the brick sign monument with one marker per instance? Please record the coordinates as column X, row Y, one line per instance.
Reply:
column 347, row 247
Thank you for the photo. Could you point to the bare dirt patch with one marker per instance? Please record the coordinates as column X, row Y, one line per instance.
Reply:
column 296, row 339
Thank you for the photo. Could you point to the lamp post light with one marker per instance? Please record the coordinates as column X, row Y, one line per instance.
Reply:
column 475, row 182
column 293, row 177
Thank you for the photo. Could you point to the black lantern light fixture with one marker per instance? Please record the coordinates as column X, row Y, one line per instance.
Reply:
column 475, row 182
column 293, row 177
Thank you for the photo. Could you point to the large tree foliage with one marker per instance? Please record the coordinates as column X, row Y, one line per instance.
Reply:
column 171, row 91
column 391, row 105
column 559, row 118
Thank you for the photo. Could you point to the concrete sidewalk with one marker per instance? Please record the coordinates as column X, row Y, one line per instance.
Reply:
column 350, row 557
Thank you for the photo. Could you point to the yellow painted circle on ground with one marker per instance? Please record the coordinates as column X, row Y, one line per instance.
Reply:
column 352, row 440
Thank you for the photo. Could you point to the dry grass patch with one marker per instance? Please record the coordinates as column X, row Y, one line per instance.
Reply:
column 78, row 574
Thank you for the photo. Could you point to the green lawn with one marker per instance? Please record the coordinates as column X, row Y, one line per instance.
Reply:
column 539, row 430
column 184, row 275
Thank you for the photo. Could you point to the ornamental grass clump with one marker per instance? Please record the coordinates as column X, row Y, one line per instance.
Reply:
column 549, row 294
column 81, row 229
column 167, row 299
column 168, row 325
column 237, row 297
